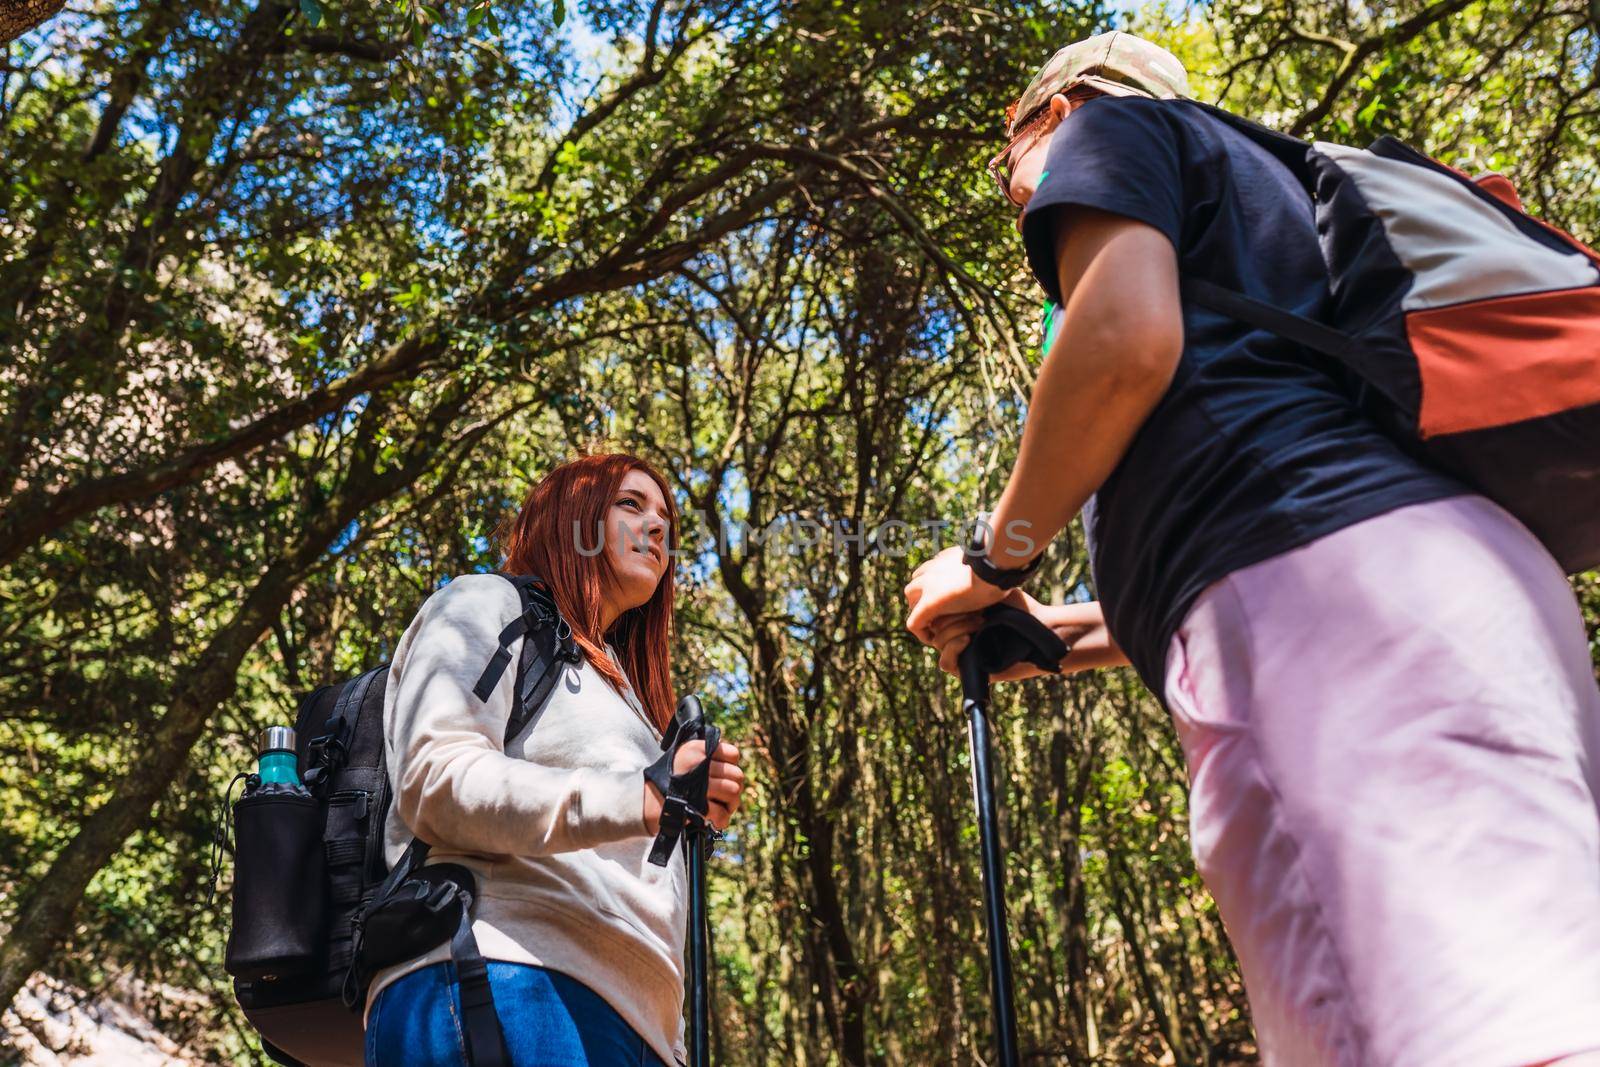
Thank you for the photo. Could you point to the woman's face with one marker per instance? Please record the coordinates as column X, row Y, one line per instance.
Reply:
column 636, row 541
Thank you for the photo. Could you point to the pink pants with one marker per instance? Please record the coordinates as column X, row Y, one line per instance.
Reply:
column 1393, row 740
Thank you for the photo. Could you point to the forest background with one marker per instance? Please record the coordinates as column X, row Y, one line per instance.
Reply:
column 298, row 298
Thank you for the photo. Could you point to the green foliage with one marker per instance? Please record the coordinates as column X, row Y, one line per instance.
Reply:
column 759, row 250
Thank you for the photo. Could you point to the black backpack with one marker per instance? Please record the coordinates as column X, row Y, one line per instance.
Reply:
column 295, row 946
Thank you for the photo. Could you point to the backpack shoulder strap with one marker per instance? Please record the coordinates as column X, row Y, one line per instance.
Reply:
column 1286, row 324
column 547, row 643
column 1292, row 152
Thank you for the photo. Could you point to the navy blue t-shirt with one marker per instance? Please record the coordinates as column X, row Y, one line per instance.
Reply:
column 1258, row 446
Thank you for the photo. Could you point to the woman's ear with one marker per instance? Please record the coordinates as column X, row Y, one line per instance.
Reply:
column 1059, row 106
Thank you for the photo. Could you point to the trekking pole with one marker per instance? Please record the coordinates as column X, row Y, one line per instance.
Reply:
column 699, row 998
column 698, row 837
column 1008, row 636
column 975, row 697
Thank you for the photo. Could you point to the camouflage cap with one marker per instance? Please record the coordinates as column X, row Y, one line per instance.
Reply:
column 1116, row 63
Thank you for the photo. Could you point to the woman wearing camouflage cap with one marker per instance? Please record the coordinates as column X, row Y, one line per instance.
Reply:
column 1381, row 681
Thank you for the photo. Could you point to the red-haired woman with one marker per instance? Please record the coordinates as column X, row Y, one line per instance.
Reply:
column 584, row 937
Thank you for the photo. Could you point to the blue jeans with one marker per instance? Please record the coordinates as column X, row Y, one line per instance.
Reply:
column 549, row 1019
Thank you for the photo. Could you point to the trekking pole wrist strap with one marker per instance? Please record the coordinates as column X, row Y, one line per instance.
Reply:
column 684, row 800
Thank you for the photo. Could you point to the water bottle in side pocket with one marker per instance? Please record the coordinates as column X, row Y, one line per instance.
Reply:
column 277, row 928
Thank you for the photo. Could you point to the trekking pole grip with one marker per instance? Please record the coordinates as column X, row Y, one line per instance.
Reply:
column 1007, row 637
column 974, row 678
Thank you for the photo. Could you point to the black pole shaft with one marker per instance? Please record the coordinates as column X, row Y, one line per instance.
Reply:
column 699, row 999
column 994, row 887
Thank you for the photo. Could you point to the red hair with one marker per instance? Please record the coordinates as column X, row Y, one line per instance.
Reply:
column 569, row 503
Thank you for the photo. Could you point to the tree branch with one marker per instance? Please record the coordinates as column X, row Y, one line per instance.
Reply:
column 1355, row 56
column 328, row 44
column 17, row 17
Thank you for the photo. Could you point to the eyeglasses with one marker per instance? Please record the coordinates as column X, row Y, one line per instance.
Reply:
column 1029, row 127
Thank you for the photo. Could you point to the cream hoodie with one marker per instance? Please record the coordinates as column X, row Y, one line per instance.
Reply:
column 552, row 827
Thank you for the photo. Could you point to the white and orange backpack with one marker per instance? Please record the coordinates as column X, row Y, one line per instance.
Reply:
column 1476, row 324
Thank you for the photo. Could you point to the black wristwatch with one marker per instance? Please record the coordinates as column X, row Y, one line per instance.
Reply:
column 976, row 556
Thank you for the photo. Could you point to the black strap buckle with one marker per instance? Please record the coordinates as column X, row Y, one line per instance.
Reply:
column 324, row 755
column 675, row 814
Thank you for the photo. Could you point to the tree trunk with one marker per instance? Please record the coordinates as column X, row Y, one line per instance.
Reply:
column 17, row 17
column 843, row 991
